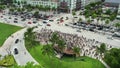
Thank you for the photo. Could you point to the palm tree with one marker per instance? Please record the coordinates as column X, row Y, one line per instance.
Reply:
column 30, row 38
column 98, row 20
column 94, row 16
column 54, row 38
column 25, row 2
column 107, row 21
column 117, row 25
column 40, row 7
column 18, row 3
column 14, row 1
column 61, row 44
column 36, row 14
column 76, row 51
column 47, row 50
column 53, row 8
column 12, row 9
column 80, row 19
column 73, row 13
column 0, row 57
column 29, row 32
column 101, row 49
column 88, row 21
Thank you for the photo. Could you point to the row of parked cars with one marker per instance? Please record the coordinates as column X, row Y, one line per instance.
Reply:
column 96, row 28
column 29, row 15
column 93, row 27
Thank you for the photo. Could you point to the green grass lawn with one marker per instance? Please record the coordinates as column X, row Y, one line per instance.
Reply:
column 65, row 62
column 6, row 30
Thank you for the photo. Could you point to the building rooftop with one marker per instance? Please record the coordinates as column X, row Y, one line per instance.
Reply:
column 113, row 1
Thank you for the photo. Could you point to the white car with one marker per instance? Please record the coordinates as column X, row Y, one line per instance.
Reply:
column 110, row 38
column 78, row 30
column 45, row 20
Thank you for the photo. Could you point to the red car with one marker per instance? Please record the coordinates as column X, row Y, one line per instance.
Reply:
column 29, row 23
column 61, row 20
column 48, row 25
column 47, row 16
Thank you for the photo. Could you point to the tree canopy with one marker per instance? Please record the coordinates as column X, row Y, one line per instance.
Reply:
column 112, row 58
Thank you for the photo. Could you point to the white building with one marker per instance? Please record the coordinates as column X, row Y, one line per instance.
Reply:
column 86, row 2
column 70, row 5
column 118, row 15
column 51, row 3
column 67, row 5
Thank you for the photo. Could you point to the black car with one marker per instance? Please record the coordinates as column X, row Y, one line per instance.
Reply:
column 66, row 25
column 9, row 17
column 115, row 35
column 51, row 20
column 23, row 19
column 15, row 21
column 17, row 40
column 15, row 51
column 44, row 22
column 100, row 28
column 22, row 16
column 75, row 17
column 91, row 29
column 34, row 22
column 74, row 23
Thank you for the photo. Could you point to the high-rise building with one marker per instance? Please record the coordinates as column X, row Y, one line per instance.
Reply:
column 69, row 5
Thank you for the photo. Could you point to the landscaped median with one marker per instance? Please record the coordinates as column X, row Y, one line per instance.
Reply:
column 6, row 30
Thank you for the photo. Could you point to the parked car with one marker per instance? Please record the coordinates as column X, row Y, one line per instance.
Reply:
column 15, row 18
column 110, row 38
column 100, row 28
column 58, row 19
column 23, row 19
column 51, row 20
column 15, row 51
column 16, row 41
column 91, row 29
column 29, row 23
column 44, row 22
column 34, row 22
column 48, row 25
column 15, row 21
column 9, row 17
column 116, row 35
column 78, row 30
column 67, row 18
column 74, row 23
column 66, row 25
column 75, row 17
column 61, row 20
